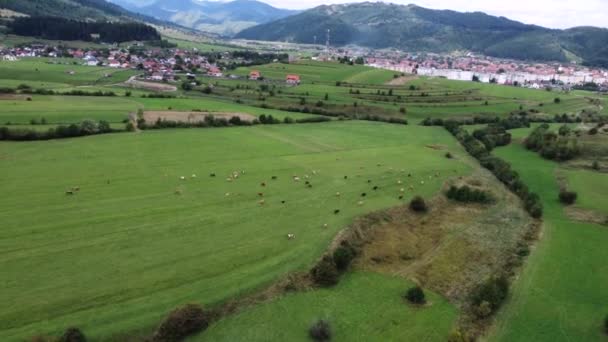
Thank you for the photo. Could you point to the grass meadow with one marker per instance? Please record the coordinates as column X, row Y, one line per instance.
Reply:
column 126, row 249
column 561, row 293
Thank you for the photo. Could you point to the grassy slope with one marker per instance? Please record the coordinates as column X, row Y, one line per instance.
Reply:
column 119, row 255
column 362, row 307
column 561, row 294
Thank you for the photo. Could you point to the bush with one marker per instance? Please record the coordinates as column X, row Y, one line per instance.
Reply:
column 415, row 295
column 606, row 324
column 449, row 155
column 468, row 195
column 130, row 127
column 73, row 335
column 489, row 296
column 595, row 165
column 325, row 273
column 567, row 197
column 182, row 322
column 320, row 331
column 418, row 204
column 343, row 256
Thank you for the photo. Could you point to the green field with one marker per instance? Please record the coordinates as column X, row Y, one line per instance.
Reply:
column 126, row 249
column 363, row 307
column 561, row 294
column 137, row 240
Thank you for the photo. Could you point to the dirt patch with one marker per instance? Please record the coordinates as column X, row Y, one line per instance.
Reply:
column 586, row 216
column 13, row 97
column 402, row 80
column 153, row 116
column 153, row 86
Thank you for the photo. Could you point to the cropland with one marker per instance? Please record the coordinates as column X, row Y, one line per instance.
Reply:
column 229, row 193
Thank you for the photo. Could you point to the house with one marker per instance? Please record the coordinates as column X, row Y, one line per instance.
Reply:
column 9, row 58
column 114, row 64
column 215, row 72
column 254, row 75
column 293, row 79
column 157, row 76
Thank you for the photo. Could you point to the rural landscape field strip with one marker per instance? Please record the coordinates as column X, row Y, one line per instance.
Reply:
column 135, row 241
column 371, row 302
column 561, row 294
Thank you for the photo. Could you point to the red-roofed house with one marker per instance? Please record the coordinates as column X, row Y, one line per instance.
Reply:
column 254, row 75
column 215, row 72
column 293, row 79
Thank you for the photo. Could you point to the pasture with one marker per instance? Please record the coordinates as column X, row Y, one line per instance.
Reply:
column 364, row 306
column 561, row 293
column 136, row 241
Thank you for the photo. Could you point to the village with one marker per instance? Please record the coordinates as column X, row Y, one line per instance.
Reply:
column 156, row 64
column 470, row 67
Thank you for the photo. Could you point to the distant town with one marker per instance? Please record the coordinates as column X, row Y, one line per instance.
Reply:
column 493, row 70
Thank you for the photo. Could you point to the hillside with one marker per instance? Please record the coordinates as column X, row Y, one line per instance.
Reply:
column 81, row 10
column 225, row 18
column 414, row 28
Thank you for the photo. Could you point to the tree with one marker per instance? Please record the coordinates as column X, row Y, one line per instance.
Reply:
column 320, row 331
column 418, row 204
column 343, row 256
column 415, row 295
column 182, row 322
column 187, row 86
column 73, row 335
column 325, row 273
column 567, row 197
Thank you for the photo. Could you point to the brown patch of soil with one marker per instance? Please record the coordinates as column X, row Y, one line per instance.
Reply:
column 8, row 97
column 402, row 80
column 153, row 116
column 153, row 86
column 586, row 215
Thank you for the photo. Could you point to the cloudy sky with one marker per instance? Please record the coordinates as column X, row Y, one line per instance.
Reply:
column 548, row 13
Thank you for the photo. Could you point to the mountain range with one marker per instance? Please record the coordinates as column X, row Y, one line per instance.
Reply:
column 224, row 18
column 414, row 28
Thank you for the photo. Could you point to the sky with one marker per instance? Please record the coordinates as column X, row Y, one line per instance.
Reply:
column 548, row 13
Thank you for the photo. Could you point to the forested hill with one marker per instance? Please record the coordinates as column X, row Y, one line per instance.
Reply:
column 413, row 28
column 81, row 10
column 66, row 29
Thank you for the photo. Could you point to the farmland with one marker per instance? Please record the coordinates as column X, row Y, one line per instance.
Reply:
column 117, row 230
column 140, row 249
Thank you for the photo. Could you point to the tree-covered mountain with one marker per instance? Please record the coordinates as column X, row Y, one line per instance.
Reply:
column 225, row 18
column 80, row 10
column 414, row 28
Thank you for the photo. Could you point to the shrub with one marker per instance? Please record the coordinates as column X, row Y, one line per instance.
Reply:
column 182, row 322
column 606, row 324
column 467, row 195
column 320, row 331
column 595, row 165
column 325, row 273
column 73, row 335
column 489, row 296
column 567, row 197
column 449, row 155
column 418, row 204
column 130, row 127
column 415, row 295
column 343, row 256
